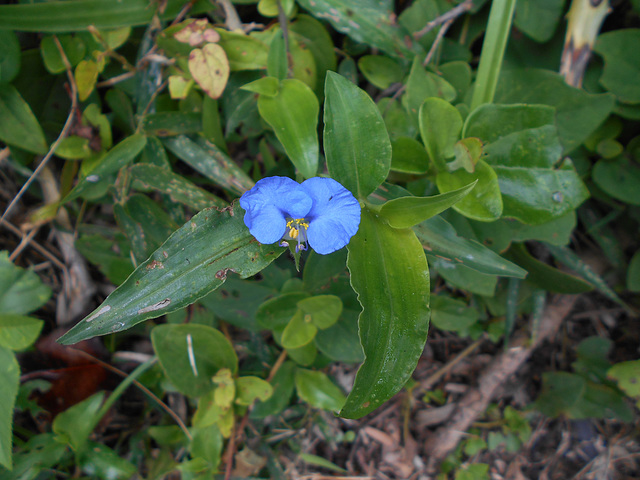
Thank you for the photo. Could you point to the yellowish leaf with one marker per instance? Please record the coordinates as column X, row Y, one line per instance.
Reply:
column 209, row 67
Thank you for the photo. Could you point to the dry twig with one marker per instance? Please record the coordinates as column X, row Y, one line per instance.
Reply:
column 476, row 400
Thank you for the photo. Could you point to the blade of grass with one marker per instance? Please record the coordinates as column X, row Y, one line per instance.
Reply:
column 493, row 47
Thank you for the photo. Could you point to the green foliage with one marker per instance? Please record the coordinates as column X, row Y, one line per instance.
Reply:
column 21, row 292
column 473, row 180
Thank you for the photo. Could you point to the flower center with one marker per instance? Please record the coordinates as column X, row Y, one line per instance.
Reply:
column 297, row 230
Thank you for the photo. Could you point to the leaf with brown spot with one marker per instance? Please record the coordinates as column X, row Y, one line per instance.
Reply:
column 209, row 67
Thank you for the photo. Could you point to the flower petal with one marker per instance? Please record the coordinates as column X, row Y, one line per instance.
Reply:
column 268, row 204
column 334, row 217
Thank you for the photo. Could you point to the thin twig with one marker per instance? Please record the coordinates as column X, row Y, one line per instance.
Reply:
column 26, row 239
column 63, row 133
column 115, row 80
column 476, row 400
column 148, row 392
column 435, row 377
column 109, row 51
column 436, row 42
column 277, row 365
column 232, row 20
column 451, row 15
column 9, row 226
column 284, row 26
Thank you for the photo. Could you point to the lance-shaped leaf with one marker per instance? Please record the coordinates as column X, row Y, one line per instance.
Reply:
column 78, row 15
column 210, row 161
column 405, row 212
column 439, row 238
column 192, row 262
column 365, row 21
column 147, row 178
column 116, row 158
column 389, row 272
column 356, row 142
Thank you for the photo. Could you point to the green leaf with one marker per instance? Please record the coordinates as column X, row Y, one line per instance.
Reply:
column 21, row 291
column 18, row 125
column 9, row 383
column 389, row 273
column 145, row 223
column 293, row 115
column 422, row 85
column 406, row 212
column 191, row 355
column 283, row 385
column 318, row 390
column 238, row 301
column 102, row 462
column 249, row 389
column 17, row 332
column 365, row 21
column 341, row 342
column 116, row 158
column 621, row 52
column 464, row 278
column 575, row 263
column 68, row 16
column 164, row 124
column 194, row 261
column 320, row 462
column 314, row 36
column 493, row 48
column 578, row 113
column 557, row 232
column 453, row 315
column 409, row 156
column 267, row 86
column 633, row 273
column 380, row 71
column 207, row 445
column 619, row 178
column 560, row 391
column 320, row 270
column 484, row 203
column 275, row 313
column 146, row 177
column 538, row 18
column 356, row 142
column 244, row 52
column 9, row 56
column 73, row 47
column 74, row 425
column 299, row 331
column 323, row 309
column 545, row 276
column 111, row 256
column 440, row 127
column 204, row 157
column 522, row 146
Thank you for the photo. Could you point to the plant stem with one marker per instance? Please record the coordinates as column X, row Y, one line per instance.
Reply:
column 495, row 42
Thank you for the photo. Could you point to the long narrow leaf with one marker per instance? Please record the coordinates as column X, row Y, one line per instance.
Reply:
column 192, row 262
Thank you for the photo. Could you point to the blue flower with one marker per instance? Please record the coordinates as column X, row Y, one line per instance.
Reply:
column 319, row 211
